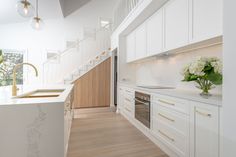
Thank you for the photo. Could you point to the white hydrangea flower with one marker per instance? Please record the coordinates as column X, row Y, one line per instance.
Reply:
column 197, row 67
column 185, row 70
column 217, row 65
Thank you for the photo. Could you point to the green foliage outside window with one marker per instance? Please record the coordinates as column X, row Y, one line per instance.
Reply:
column 7, row 63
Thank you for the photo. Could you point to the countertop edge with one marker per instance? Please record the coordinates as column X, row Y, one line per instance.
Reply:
column 216, row 100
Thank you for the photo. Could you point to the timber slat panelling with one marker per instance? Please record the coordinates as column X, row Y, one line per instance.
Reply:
column 93, row 89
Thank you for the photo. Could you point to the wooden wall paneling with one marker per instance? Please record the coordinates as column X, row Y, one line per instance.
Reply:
column 93, row 89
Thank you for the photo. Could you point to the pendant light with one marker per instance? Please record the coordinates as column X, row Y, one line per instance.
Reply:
column 25, row 8
column 37, row 22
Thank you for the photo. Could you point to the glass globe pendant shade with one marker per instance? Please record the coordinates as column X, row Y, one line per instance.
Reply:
column 37, row 23
column 25, row 8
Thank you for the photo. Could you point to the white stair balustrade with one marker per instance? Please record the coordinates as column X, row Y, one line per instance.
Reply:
column 77, row 59
column 86, row 68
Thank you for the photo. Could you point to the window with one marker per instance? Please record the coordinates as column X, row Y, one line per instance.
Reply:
column 105, row 23
column 10, row 59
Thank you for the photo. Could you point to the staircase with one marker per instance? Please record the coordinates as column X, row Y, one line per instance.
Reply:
column 79, row 58
column 84, row 69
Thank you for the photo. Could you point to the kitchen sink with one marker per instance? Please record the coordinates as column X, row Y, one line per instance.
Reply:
column 44, row 93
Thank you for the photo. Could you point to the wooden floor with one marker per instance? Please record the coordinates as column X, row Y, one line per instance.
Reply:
column 103, row 133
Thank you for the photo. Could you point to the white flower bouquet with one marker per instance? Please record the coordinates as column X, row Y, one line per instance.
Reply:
column 205, row 71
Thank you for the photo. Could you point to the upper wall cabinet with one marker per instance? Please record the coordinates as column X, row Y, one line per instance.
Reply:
column 207, row 16
column 176, row 23
column 155, row 33
column 140, row 41
column 130, row 47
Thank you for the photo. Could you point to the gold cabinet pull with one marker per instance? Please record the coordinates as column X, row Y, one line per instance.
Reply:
column 127, row 99
column 163, row 116
column 127, row 109
column 203, row 114
column 163, row 134
column 165, row 102
column 128, row 91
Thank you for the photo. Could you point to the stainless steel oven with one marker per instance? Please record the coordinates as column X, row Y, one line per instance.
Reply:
column 142, row 108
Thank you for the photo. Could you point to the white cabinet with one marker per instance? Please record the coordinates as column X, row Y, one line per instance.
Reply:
column 170, row 123
column 140, row 41
column 155, row 33
column 207, row 16
column 176, row 13
column 126, row 102
column 205, row 131
column 120, row 99
column 177, row 24
column 130, row 47
column 186, row 128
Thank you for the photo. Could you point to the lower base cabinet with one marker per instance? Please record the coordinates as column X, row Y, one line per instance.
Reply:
column 185, row 128
column 204, row 131
column 170, row 123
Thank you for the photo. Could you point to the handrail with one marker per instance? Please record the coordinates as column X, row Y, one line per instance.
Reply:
column 101, row 44
column 77, row 43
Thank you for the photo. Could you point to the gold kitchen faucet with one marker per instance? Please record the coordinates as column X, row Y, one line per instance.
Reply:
column 14, row 87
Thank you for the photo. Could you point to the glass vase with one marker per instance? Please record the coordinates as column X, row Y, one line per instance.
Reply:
column 205, row 86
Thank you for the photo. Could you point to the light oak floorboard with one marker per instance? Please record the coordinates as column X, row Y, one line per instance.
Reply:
column 102, row 133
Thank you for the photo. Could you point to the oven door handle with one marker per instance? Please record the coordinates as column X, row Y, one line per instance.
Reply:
column 141, row 102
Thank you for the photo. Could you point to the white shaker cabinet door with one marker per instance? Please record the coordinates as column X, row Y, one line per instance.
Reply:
column 140, row 41
column 207, row 16
column 205, row 135
column 176, row 14
column 155, row 33
column 130, row 47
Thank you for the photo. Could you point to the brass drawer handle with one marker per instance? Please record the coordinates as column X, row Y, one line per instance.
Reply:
column 128, row 91
column 165, row 102
column 127, row 109
column 204, row 114
column 127, row 99
column 163, row 116
column 162, row 133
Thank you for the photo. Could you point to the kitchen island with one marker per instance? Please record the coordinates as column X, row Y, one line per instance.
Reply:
column 34, row 126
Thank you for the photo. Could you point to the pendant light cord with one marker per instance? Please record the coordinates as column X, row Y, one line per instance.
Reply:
column 37, row 12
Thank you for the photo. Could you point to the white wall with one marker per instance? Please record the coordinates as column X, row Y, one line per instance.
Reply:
column 228, row 115
column 21, row 36
column 166, row 70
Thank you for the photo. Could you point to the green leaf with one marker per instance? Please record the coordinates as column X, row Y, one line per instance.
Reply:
column 193, row 77
column 215, row 78
column 1, row 57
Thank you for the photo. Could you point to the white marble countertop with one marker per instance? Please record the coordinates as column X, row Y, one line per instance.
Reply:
column 7, row 99
column 191, row 95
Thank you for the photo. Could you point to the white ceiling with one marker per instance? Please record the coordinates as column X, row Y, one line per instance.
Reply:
column 48, row 9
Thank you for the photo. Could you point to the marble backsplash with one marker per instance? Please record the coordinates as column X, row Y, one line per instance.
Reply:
column 166, row 70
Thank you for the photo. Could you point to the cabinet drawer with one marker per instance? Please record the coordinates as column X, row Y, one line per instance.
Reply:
column 176, row 141
column 128, row 100
column 128, row 110
column 177, row 121
column 176, row 104
column 128, row 91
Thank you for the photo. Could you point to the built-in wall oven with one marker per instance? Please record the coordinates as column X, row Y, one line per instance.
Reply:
column 142, row 108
